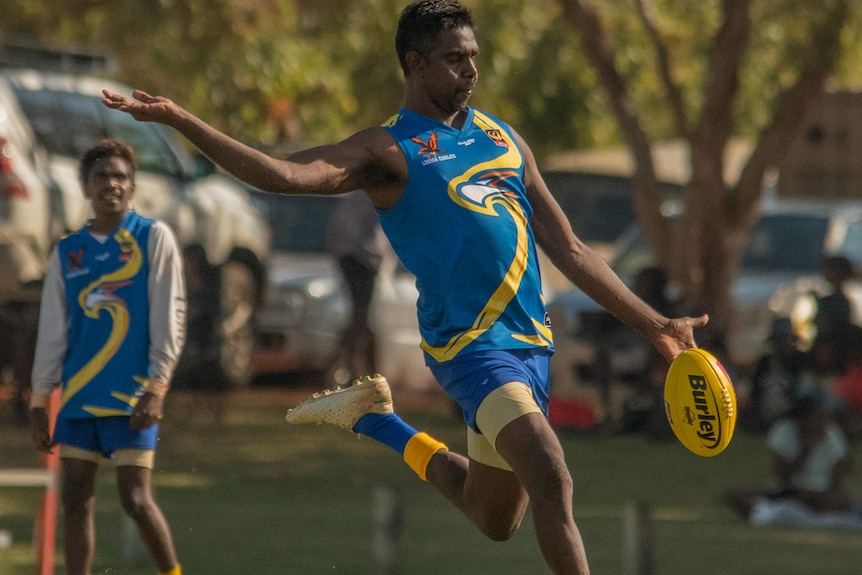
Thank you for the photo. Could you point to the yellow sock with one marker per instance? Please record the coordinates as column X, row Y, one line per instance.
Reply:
column 175, row 571
column 419, row 451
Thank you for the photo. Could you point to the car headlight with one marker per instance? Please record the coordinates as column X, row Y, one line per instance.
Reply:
column 322, row 288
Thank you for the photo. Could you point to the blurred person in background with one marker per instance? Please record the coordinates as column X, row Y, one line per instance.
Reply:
column 847, row 389
column 18, row 324
column 830, row 348
column 777, row 378
column 810, row 461
column 111, row 328
column 643, row 408
column 356, row 241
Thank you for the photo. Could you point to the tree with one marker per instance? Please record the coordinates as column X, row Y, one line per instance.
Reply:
column 263, row 70
column 316, row 70
column 736, row 41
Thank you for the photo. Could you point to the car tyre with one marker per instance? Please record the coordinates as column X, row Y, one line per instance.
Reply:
column 222, row 306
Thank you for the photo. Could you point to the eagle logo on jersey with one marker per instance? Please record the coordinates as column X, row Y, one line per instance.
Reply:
column 75, row 259
column 429, row 148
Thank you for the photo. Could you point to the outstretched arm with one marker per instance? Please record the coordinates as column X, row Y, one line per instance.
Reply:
column 365, row 160
column 587, row 270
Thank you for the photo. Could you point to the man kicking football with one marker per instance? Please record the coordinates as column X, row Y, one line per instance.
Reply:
column 461, row 200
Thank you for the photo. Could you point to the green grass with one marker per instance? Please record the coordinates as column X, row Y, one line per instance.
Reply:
column 252, row 495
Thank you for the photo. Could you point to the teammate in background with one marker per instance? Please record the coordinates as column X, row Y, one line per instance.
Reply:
column 462, row 203
column 111, row 328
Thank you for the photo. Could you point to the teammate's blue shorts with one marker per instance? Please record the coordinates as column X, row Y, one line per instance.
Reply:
column 469, row 378
column 104, row 434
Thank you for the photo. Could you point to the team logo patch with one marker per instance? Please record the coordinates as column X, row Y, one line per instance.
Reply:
column 497, row 136
column 429, row 148
column 76, row 259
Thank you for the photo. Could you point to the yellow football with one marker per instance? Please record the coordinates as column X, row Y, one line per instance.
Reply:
column 700, row 402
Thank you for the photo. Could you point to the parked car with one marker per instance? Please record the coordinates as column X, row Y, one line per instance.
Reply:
column 24, row 243
column 599, row 208
column 306, row 305
column 25, row 198
column 53, row 116
column 779, row 271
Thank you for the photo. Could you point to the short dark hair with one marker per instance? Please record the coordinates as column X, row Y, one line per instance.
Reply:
column 106, row 149
column 422, row 21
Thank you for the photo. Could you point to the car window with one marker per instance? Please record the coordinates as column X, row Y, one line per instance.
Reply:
column 634, row 256
column 774, row 234
column 851, row 247
column 299, row 222
column 68, row 124
column 605, row 218
column 154, row 152
column 598, row 207
column 767, row 249
column 38, row 106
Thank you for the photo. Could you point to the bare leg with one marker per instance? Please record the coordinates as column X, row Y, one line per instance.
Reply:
column 533, row 450
column 495, row 500
column 136, row 498
column 491, row 498
column 79, row 530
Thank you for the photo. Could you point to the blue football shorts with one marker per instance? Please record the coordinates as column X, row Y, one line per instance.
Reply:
column 514, row 383
column 103, row 435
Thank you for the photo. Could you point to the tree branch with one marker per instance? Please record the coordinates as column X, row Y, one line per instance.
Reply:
column 646, row 189
column 731, row 42
column 646, row 11
column 792, row 107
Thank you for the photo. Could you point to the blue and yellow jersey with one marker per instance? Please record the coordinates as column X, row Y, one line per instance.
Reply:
column 106, row 296
column 462, row 227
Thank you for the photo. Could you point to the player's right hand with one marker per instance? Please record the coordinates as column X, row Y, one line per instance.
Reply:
column 144, row 107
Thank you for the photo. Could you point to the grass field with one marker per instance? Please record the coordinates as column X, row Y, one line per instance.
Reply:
column 250, row 495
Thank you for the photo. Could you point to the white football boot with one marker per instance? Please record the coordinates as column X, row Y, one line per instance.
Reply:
column 343, row 407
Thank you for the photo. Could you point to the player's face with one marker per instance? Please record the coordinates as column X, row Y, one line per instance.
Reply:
column 110, row 186
column 451, row 72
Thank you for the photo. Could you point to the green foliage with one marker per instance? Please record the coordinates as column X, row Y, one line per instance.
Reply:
column 314, row 71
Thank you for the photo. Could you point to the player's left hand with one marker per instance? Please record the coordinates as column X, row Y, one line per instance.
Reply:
column 147, row 413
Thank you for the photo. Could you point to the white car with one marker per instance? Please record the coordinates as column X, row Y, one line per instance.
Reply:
column 25, row 202
column 306, row 305
column 51, row 119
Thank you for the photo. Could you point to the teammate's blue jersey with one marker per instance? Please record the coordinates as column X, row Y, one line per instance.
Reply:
column 107, row 302
column 462, row 228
